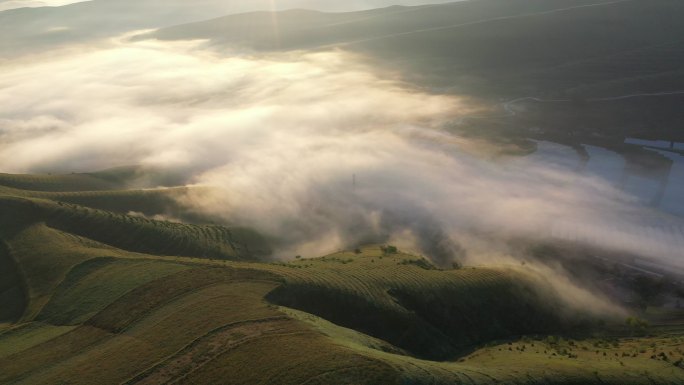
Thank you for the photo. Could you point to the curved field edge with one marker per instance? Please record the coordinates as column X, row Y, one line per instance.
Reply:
column 100, row 314
column 171, row 328
column 133, row 233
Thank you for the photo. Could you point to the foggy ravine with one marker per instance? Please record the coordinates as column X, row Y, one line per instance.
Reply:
column 315, row 149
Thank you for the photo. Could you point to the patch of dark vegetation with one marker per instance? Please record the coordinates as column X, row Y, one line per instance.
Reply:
column 397, row 327
column 389, row 249
column 436, row 324
column 421, row 262
column 13, row 298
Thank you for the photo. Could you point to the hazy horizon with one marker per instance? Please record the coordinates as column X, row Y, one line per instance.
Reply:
column 248, row 5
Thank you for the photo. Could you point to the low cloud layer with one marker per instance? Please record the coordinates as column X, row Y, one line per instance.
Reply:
column 317, row 150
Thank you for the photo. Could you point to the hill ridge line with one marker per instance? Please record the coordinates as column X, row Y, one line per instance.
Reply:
column 467, row 24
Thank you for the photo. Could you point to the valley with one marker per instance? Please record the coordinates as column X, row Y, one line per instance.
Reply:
column 362, row 192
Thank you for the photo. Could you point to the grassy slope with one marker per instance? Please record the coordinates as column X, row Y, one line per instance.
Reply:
column 42, row 238
column 64, row 202
column 12, row 290
column 99, row 314
column 204, row 323
column 110, row 179
column 527, row 360
column 75, row 182
column 404, row 300
column 138, row 234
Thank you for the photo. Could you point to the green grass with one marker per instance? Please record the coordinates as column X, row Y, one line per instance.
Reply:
column 404, row 300
column 148, row 202
column 106, row 180
column 587, row 361
column 71, row 182
column 197, row 321
column 45, row 256
column 138, row 234
column 528, row 360
column 96, row 283
column 148, row 324
column 12, row 287
column 138, row 348
column 28, row 335
column 95, row 309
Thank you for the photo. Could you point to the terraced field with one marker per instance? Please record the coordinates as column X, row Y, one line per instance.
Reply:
column 138, row 234
column 75, row 182
column 90, row 296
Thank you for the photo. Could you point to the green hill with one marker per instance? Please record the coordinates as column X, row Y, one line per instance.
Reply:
column 73, row 182
column 137, row 234
column 91, row 296
column 118, row 178
column 406, row 301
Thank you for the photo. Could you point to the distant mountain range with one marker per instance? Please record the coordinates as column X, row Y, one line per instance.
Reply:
column 27, row 30
column 550, row 53
column 501, row 47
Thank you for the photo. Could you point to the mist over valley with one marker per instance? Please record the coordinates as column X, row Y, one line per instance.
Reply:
column 474, row 184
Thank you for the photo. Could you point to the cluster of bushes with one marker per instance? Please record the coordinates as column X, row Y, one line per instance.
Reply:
column 422, row 263
column 637, row 325
column 389, row 249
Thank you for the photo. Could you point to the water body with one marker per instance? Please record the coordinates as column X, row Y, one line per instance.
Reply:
column 556, row 155
column 660, row 235
column 656, row 143
column 673, row 200
column 612, row 167
column 663, row 239
column 606, row 164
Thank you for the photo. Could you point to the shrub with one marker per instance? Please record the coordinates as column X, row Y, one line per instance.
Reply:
column 389, row 249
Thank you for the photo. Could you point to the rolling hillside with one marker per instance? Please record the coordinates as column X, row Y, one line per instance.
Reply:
column 86, row 300
column 113, row 277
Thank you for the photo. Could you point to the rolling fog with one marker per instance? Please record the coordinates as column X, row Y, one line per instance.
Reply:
column 315, row 149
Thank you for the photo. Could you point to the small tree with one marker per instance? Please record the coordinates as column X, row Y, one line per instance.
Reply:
column 389, row 249
column 636, row 325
